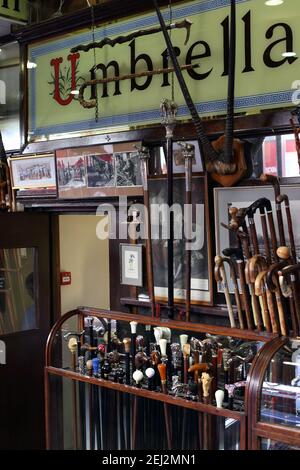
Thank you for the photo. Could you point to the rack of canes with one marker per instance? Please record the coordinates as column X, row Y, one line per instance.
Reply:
column 263, row 266
column 138, row 382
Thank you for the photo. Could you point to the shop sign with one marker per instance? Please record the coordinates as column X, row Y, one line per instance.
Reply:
column 263, row 76
column 14, row 9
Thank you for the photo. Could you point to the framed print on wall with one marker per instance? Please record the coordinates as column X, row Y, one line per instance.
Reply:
column 224, row 198
column 99, row 171
column 201, row 261
column 34, row 172
column 131, row 264
column 178, row 158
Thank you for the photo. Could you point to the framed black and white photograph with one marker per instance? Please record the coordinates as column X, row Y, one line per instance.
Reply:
column 224, row 198
column 71, row 172
column 37, row 171
column 178, row 158
column 201, row 263
column 127, row 168
column 100, row 170
column 131, row 264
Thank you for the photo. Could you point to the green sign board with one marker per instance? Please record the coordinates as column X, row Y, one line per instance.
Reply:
column 263, row 76
column 14, row 9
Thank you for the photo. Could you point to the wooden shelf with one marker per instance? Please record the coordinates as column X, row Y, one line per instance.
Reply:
column 252, row 335
column 158, row 396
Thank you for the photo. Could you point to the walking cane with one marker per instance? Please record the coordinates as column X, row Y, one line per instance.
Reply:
column 265, row 178
column 162, row 369
column 220, row 276
column 144, row 158
column 236, row 255
column 169, row 111
column 189, row 155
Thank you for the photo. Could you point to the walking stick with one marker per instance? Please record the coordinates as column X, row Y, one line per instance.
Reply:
column 219, row 395
column 272, row 281
column 169, row 110
column 280, row 199
column 162, row 369
column 238, row 221
column 144, row 158
column 72, row 345
column 220, row 276
column 265, row 178
column 237, row 255
column 289, row 272
column 206, row 381
column 233, row 277
column 257, row 266
column 189, row 154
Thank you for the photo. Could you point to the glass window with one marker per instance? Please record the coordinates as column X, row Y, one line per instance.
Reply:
column 18, row 310
column 10, row 95
column 280, row 156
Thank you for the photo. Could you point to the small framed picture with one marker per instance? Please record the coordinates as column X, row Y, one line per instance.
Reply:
column 37, row 171
column 131, row 264
column 178, row 158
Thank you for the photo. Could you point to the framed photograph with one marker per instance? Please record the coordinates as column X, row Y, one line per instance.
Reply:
column 99, row 171
column 224, row 198
column 131, row 264
column 201, row 261
column 33, row 172
column 127, row 169
column 178, row 158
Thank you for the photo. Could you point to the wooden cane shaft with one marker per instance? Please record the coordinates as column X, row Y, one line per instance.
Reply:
column 74, row 405
column 291, row 232
column 272, row 233
column 267, row 305
column 241, row 272
column 239, row 307
column 188, row 201
column 280, row 308
column 266, row 238
column 253, row 236
column 272, row 311
column 168, row 426
column 149, row 255
column 227, row 297
column 280, row 222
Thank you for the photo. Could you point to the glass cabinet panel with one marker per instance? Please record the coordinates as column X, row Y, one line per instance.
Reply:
column 280, row 397
column 270, row 444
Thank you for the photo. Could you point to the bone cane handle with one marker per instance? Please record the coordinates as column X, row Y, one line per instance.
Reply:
column 226, row 292
column 219, row 395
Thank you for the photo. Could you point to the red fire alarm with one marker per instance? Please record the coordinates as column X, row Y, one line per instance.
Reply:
column 65, row 279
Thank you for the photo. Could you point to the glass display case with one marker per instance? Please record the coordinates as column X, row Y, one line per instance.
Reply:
column 122, row 381
column 274, row 423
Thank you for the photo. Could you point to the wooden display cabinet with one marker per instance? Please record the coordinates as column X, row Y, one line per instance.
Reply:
column 206, row 426
column 273, row 397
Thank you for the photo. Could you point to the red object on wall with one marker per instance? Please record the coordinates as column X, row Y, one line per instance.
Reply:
column 65, row 279
column 270, row 157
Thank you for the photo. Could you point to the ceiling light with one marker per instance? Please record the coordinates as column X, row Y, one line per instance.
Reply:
column 273, row 3
column 31, row 65
column 289, row 54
